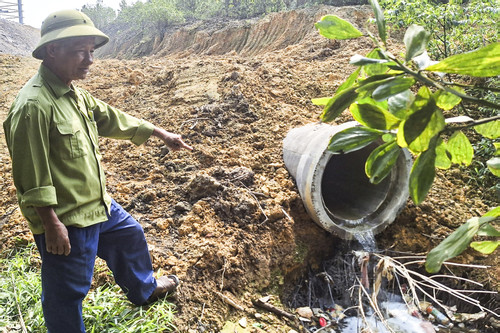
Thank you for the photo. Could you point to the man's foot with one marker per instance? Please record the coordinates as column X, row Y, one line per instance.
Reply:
column 164, row 285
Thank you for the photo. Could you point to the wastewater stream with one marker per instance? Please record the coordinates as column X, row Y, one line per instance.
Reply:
column 396, row 313
column 343, row 298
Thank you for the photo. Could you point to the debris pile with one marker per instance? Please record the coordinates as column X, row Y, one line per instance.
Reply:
column 392, row 299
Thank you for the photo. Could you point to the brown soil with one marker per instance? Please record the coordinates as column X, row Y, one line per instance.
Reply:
column 227, row 218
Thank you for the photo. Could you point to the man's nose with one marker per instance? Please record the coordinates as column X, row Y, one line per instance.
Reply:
column 89, row 58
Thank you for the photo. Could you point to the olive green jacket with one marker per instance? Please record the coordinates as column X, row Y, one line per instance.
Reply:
column 52, row 134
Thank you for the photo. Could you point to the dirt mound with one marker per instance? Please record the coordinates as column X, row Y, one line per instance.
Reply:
column 249, row 37
column 17, row 39
column 227, row 218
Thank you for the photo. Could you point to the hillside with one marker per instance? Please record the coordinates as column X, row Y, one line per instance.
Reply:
column 227, row 218
column 17, row 39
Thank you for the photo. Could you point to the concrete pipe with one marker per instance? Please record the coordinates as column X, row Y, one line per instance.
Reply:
column 334, row 187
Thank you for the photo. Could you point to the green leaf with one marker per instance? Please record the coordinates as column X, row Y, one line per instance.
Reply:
column 370, row 84
column 490, row 130
column 415, row 39
column 338, row 104
column 497, row 148
column 379, row 17
column 400, row 103
column 488, row 230
column 460, row 149
column 381, row 160
column 494, row 213
column 442, row 159
column 423, row 61
column 494, row 166
column 485, row 247
column 392, row 87
column 387, row 137
column 421, row 99
column 333, row 27
column 374, row 69
column 452, row 245
column 350, row 81
column 347, row 94
column 422, row 175
column 484, row 62
column 373, row 116
column 368, row 100
column 359, row 60
column 420, row 127
column 446, row 100
column 322, row 101
column 353, row 138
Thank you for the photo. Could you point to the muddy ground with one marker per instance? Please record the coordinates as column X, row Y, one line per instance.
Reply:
column 227, row 217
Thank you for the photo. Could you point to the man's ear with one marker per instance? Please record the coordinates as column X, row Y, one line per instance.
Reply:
column 51, row 49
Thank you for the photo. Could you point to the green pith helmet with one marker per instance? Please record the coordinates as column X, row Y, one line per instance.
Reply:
column 66, row 24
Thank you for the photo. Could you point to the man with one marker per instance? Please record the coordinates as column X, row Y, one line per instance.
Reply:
column 52, row 134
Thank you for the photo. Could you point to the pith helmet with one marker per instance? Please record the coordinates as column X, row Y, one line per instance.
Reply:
column 66, row 24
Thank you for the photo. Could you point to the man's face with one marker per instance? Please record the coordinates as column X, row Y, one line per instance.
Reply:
column 71, row 58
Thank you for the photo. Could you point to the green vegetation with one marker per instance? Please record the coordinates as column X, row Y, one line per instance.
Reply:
column 105, row 309
column 458, row 241
column 100, row 14
column 457, row 26
column 162, row 13
column 402, row 103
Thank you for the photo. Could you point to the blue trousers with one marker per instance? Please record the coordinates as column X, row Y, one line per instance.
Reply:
column 66, row 280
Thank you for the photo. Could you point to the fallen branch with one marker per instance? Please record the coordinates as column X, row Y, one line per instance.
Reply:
column 273, row 309
column 230, row 301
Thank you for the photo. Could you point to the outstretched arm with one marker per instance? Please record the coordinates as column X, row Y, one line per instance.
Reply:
column 173, row 141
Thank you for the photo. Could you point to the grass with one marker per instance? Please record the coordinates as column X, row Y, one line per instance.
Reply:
column 105, row 309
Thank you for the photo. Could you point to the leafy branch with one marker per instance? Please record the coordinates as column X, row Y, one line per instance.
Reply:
column 401, row 102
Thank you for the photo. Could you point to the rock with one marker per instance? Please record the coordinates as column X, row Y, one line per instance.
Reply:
column 305, row 312
column 242, row 174
column 163, row 224
column 182, row 206
column 203, row 185
column 243, row 322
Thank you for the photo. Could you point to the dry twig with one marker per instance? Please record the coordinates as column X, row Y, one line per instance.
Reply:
column 417, row 281
column 374, row 306
column 258, row 203
column 230, row 301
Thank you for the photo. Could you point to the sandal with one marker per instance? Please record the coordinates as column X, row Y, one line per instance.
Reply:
column 164, row 285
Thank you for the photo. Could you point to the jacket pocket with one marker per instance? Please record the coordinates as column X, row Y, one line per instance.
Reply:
column 71, row 144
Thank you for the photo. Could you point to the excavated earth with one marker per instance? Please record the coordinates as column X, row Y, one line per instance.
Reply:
column 227, row 217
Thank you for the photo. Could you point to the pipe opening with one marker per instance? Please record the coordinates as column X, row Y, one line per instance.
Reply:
column 334, row 188
column 346, row 191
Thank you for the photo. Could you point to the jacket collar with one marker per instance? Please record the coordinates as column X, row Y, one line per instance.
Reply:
column 55, row 84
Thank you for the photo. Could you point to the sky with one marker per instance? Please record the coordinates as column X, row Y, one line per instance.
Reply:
column 35, row 11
